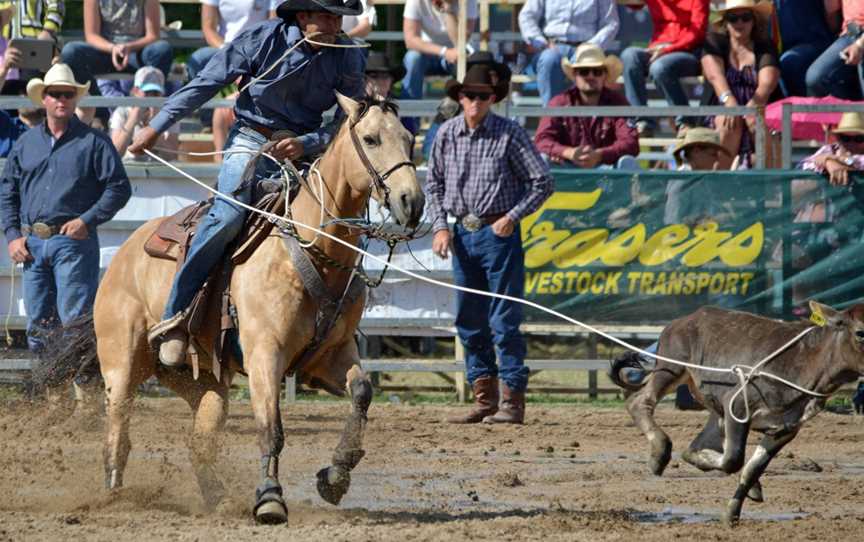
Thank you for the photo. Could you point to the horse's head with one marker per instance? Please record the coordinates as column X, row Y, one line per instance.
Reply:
column 382, row 158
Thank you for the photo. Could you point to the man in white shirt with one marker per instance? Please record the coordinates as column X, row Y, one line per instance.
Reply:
column 553, row 29
column 430, row 28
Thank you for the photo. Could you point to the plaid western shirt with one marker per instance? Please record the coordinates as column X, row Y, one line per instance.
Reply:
column 491, row 170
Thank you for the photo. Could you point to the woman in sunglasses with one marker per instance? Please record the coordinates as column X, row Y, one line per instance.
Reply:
column 742, row 66
column 846, row 154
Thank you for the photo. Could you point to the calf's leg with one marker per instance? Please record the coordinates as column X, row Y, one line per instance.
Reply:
column 641, row 407
column 765, row 452
column 730, row 458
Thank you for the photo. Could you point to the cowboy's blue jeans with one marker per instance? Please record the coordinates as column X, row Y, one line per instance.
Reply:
column 59, row 282
column 224, row 220
column 666, row 72
column 87, row 61
column 830, row 75
column 484, row 261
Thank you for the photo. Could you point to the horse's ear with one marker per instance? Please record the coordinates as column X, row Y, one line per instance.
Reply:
column 352, row 108
column 824, row 315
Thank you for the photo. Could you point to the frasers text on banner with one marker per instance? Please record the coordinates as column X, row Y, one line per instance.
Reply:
column 637, row 282
column 546, row 242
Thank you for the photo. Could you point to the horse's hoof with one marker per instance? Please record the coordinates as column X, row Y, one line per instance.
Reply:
column 113, row 479
column 333, row 484
column 755, row 493
column 272, row 512
column 732, row 513
column 660, row 458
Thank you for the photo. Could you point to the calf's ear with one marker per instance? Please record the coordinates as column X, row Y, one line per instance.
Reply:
column 857, row 312
column 824, row 315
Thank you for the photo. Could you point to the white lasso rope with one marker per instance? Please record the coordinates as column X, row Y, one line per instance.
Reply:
column 751, row 372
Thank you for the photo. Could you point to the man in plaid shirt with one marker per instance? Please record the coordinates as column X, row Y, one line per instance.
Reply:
column 485, row 171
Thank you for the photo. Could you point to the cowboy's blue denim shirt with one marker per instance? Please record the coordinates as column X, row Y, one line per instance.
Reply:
column 79, row 175
column 292, row 96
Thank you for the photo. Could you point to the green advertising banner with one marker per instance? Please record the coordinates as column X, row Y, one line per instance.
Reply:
column 651, row 246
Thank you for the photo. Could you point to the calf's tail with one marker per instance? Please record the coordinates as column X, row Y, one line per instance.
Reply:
column 632, row 361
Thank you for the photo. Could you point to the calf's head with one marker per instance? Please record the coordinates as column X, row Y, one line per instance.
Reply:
column 849, row 324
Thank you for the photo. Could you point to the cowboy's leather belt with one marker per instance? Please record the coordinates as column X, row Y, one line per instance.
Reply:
column 473, row 223
column 42, row 230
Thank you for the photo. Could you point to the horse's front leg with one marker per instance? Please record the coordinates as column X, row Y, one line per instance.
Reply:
column 265, row 377
column 333, row 481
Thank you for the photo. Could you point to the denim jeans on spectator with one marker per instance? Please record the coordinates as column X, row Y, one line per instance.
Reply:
column 484, row 261
column 59, row 283
column 224, row 220
column 546, row 65
column 87, row 61
column 666, row 72
column 418, row 66
column 793, row 67
column 830, row 75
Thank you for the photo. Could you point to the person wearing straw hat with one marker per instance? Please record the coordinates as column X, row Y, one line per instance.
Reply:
column 61, row 180
column 679, row 30
column 838, row 71
column 485, row 172
column 552, row 29
column 742, row 66
column 289, row 79
column 837, row 159
column 588, row 142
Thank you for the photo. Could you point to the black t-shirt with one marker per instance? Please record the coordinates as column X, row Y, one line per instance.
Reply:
column 717, row 44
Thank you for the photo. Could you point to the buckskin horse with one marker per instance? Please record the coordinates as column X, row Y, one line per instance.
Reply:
column 819, row 362
column 275, row 313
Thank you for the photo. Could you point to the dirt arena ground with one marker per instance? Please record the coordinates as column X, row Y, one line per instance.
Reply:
column 572, row 473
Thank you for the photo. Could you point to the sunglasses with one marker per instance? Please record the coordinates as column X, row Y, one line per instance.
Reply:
column 851, row 138
column 743, row 17
column 482, row 96
column 596, row 72
column 58, row 94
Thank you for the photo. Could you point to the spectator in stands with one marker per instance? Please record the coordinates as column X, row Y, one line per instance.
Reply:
column 11, row 127
column 553, row 29
column 836, row 160
column 37, row 19
column 672, row 53
column 380, row 75
column 807, row 28
column 221, row 21
column 430, row 28
column 120, row 36
column 359, row 26
column 741, row 64
column 61, row 180
column 588, row 142
column 838, row 70
column 485, row 171
column 129, row 120
column 281, row 93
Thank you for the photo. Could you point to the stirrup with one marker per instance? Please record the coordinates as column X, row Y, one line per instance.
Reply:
column 154, row 335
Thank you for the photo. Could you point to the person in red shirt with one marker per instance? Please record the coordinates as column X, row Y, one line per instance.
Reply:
column 588, row 142
column 673, row 52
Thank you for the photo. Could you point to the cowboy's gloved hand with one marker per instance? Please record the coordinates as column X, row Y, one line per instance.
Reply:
column 144, row 139
column 290, row 148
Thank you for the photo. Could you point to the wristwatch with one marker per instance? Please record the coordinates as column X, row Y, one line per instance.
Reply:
column 725, row 97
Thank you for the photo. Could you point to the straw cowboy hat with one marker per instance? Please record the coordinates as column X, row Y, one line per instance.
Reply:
column 477, row 79
column 761, row 10
column 850, row 123
column 288, row 9
column 58, row 75
column 589, row 55
column 698, row 136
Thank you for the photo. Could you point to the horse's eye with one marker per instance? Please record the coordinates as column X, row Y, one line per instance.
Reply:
column 369, row 140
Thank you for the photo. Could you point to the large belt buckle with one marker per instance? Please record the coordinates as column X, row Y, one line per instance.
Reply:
column 472, row 222
column 42, row 230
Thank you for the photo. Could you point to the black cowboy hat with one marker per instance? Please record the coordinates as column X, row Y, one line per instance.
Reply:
column 288, row 9
column 477, row 79
column 486, row 58
column 379, row 63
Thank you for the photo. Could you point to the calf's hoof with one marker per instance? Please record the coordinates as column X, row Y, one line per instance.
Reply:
column 660, row 456
column 732, row 513
column 755, row 493
column 271, row 510
column 333, row 483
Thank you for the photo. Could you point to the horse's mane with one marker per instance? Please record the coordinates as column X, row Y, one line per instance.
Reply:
column 386, row 104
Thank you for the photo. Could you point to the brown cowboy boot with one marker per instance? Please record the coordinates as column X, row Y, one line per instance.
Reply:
column 512, row 408
column 485, row 401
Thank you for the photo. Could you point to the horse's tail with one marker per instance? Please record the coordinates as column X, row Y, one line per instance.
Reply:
column 632, row 361
column 69, row 354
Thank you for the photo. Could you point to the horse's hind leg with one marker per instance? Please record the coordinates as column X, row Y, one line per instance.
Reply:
column 764, row 453
column 641, row 407
column 209, row 402
column 333, row 482
column 122, row 378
